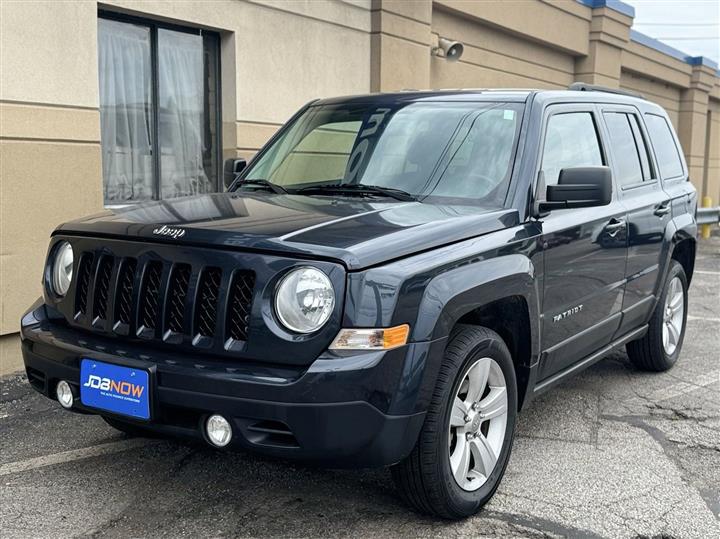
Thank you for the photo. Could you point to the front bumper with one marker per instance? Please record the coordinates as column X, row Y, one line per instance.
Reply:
column 360, row 410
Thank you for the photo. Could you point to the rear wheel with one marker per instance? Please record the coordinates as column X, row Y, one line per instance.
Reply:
column 659, row 349
column 465, row 443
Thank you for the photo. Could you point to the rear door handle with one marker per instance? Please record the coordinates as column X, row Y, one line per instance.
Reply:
column 662, row 209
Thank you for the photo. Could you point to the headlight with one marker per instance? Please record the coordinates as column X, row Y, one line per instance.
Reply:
column 304, row 300
column 62, row 268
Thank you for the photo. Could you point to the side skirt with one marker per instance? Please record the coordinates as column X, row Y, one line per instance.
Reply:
column 583, row 364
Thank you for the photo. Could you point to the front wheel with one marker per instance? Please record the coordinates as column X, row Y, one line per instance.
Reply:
column 465, row 442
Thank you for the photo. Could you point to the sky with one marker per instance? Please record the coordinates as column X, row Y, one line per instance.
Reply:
column 692, row 26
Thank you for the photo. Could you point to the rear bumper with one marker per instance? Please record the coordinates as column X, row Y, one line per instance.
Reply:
column 361, row 410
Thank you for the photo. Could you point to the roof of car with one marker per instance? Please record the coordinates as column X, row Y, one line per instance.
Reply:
column 433, row 95
column 486, row 94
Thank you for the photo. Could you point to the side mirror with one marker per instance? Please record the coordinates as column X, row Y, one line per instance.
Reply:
column 579, row 187
column 231, row 169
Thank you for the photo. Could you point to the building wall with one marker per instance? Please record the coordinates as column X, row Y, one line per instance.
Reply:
column 278, row 54
column 49, row 137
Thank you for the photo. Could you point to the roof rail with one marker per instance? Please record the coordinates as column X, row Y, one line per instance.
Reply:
column 584, row 87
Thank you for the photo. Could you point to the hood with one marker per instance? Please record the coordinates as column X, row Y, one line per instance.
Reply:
column 357, row 232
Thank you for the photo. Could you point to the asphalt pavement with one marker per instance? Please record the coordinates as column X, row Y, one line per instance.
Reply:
column 613, row 452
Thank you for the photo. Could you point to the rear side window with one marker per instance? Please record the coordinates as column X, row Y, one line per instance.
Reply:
column 642, row 146
column 625, row 151
column 570, row 141
column 666, row 151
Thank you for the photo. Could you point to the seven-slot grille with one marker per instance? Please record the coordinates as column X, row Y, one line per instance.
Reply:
column 172, row 302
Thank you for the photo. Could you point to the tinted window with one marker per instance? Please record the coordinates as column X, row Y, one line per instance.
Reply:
column 482, row 157
column 570, row 141
column 321, row 155
column 624, row 150
column 642, row 148
column 462, row 151
column 666, row 152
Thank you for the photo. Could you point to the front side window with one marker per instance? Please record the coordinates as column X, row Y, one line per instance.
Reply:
column 570, row 141
column 666, row 151
column 450, row 151
column 158, row 111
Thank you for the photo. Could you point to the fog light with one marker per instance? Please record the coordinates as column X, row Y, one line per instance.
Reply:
column 218, row 430
column 64, row 394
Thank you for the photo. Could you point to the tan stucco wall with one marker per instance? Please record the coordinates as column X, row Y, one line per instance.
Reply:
column 278, row 54
column 662, row 93
column 49, row 138
column 712, row 173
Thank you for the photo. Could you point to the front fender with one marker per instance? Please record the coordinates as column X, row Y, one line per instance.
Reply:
column 433, row 290
column 451, row 295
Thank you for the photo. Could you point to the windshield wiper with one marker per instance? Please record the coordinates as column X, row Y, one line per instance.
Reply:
column 357, row 188
column 270, row 186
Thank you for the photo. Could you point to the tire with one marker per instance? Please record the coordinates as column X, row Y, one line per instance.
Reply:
column 425, row 478
column 127, row 428
column 652, row 352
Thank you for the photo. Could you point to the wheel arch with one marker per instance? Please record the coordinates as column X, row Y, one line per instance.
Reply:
column 500, row 294
column 681, row 242
column 684, row 253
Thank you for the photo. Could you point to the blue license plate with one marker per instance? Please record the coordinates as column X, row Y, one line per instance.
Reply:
column 114, row 388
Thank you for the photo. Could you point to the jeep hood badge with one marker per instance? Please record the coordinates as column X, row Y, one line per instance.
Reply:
column 173, row 232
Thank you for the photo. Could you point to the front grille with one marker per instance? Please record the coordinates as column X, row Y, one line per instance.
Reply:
column 123, row 298
column 83, row 283
column 150, row 299
column 172, row 302
column 177, row 293
column 101, row 290
column 207, row 302
column 239, row 303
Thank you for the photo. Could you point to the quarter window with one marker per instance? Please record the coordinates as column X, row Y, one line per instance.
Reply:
column 570, row 141
column 666, row 151
column 625, row 152
column 642, row 147
column 158, row 110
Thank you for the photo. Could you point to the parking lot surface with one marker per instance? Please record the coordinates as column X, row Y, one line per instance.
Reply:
column 613, row 452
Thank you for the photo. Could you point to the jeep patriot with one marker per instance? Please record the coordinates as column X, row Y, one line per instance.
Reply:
column 389, row 282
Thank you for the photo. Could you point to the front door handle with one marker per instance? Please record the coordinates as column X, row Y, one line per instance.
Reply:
column 614, row 226
column 662, row 209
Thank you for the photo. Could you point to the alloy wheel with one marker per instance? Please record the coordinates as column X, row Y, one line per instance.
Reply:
column 478, row 421
column 673, row 316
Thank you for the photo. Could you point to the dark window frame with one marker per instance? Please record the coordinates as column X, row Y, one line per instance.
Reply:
column 683, row 176
column 629, row 110
column 643, row 148
column 636, row 131
column 556, row 109
column 154, row 26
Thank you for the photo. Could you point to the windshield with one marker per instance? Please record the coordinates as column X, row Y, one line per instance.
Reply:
column 438, row 150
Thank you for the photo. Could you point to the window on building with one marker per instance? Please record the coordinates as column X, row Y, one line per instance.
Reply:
column 570, row 141
column 159, row 110
column 625, row 153
column 666, row 151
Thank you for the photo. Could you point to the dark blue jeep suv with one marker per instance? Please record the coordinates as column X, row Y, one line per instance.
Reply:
column 387, row 283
